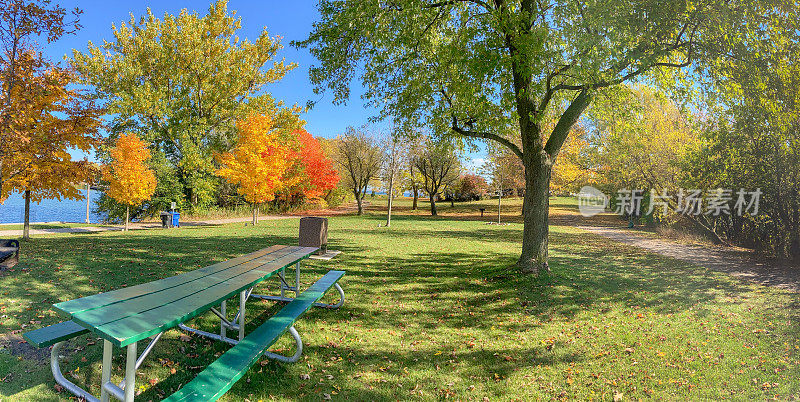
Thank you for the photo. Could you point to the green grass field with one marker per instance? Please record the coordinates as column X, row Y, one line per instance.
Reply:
column 435, row 310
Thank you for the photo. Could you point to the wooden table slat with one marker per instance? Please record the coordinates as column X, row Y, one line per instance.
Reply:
column 115, row 296
column 146, row 323
column 127, row 308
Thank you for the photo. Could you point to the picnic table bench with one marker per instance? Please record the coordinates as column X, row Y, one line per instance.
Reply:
column 125, row 316
column 9, row 252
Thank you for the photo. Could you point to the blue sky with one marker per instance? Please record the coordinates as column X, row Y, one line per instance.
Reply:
column 290, row 19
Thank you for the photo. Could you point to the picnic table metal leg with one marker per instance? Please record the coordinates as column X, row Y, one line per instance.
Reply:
column 145, row 352
column 296, row 289
column 282, row 275
column 236, row 324
column 338, row 304
column 223, row 310
column 242, row 301
column 108, row 350
column 130, row 373
column 127, row 392
column 61, row 380
column 297, row 280
column 298, row 352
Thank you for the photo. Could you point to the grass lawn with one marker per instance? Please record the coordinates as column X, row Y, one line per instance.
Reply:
column 435, row 310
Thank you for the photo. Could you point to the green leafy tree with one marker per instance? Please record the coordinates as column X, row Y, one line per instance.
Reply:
column 181, row 82
column 474, row 68
column 753, row 137
column 640, row 139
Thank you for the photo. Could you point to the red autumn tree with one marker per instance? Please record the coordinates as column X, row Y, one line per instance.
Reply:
column 315, row 172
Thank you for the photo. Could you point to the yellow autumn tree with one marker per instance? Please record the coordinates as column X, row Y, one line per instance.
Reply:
column 570, row 171
column 55, row 119
column 259, row 162
column 131, row 182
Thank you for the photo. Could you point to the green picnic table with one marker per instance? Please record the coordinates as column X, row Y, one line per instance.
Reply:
column 125, row 316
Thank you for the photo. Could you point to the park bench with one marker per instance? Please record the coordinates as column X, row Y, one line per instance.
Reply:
column 125, row 316
column 9, row 252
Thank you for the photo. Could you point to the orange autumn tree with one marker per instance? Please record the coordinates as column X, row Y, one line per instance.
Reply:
column 131, row 182
column 56, row 119
column 259, row 162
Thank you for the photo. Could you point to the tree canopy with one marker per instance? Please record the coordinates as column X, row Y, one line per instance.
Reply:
column 24, row 23
column 474, row 68
column 182, row 82
column 130, row 180
column 259, row 162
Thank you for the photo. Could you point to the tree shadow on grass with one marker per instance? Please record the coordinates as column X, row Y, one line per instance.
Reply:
column 55, row 269
column 446, row 291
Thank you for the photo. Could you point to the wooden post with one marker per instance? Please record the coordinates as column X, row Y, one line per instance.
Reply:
column 88, row 197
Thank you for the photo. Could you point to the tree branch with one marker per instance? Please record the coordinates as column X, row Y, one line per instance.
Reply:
column 565, row 123
column 477, row 134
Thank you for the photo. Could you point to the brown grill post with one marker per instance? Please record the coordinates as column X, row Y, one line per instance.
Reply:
column 314, row 233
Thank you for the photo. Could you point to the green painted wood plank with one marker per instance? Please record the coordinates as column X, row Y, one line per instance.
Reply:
column 48, row 336
column 102, row 299
column 220, row 375
column 129, row 307
column 139, row 326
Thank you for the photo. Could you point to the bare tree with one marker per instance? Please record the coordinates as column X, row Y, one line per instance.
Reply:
column 439, row 166
column 360, row 157
column 395, row 153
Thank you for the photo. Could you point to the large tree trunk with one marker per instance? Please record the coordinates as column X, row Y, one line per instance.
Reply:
column 26, row 226
column 433, row 204
column 127, row 216
column 359, row 200
column 536, row 204
column 255, row 213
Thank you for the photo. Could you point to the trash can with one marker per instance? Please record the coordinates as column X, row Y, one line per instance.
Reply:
column 314, row 233
column 176, row 217
column 166, row 220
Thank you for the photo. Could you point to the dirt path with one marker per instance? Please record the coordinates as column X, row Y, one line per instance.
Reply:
column 737, row 262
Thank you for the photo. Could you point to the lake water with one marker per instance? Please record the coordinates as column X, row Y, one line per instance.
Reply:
column 13, row 210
